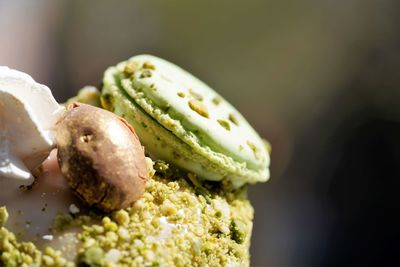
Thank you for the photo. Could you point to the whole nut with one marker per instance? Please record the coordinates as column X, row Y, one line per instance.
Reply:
column 101, row 157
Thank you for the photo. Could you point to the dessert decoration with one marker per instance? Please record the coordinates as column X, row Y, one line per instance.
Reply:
column 28, row 113
column 183, row 121
column 101, row 157
column 87, row 95
column 186, row 206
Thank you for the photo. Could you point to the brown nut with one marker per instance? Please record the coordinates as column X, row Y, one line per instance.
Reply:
column 101, row 157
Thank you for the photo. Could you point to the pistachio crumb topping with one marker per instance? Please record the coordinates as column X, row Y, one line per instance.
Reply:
column 179, row 221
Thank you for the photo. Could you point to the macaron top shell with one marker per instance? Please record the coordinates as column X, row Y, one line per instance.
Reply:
column 195, row 114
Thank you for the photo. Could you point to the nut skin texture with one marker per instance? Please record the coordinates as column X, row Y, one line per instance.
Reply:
column 101, row 157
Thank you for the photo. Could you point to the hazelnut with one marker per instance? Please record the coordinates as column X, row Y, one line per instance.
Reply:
column 101, row 157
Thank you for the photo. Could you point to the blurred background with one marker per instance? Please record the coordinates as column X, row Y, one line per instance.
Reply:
column 320, row 79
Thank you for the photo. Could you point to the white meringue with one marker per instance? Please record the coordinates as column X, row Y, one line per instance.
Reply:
column 28, row 113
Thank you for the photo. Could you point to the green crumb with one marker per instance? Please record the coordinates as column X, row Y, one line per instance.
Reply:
column 199, row 188
column 148, row 65
column 238, row 231
column 3, row 216
column 161, row 167
column 218, row 214
column 121, row 217
column 225, row 124
column 233, row 119
column 130, row 68
column 63, row 221
column 107, row 102
column 254, row 148
column 164, row 169
column 93, row 256
column 199, row 107
column 181, row 94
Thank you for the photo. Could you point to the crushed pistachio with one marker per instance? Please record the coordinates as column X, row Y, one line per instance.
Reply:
column 148, row 65
column 199, row 107
column 130, row 68
column 3, row 216
column 145, row 74
column 121, row 217
column 171, row 215
column 106, row 101
column 63, row 221
column 165, row 170
column 225, row 124
column 233, row 119
column 216, row 100
column 179, row 221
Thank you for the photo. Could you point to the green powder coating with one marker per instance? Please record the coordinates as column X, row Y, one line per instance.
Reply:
column 173, row 224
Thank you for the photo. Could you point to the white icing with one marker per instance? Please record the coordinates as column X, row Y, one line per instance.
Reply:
column 28, row 113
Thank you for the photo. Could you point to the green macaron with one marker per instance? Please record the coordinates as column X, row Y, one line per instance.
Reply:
column 183, row 121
